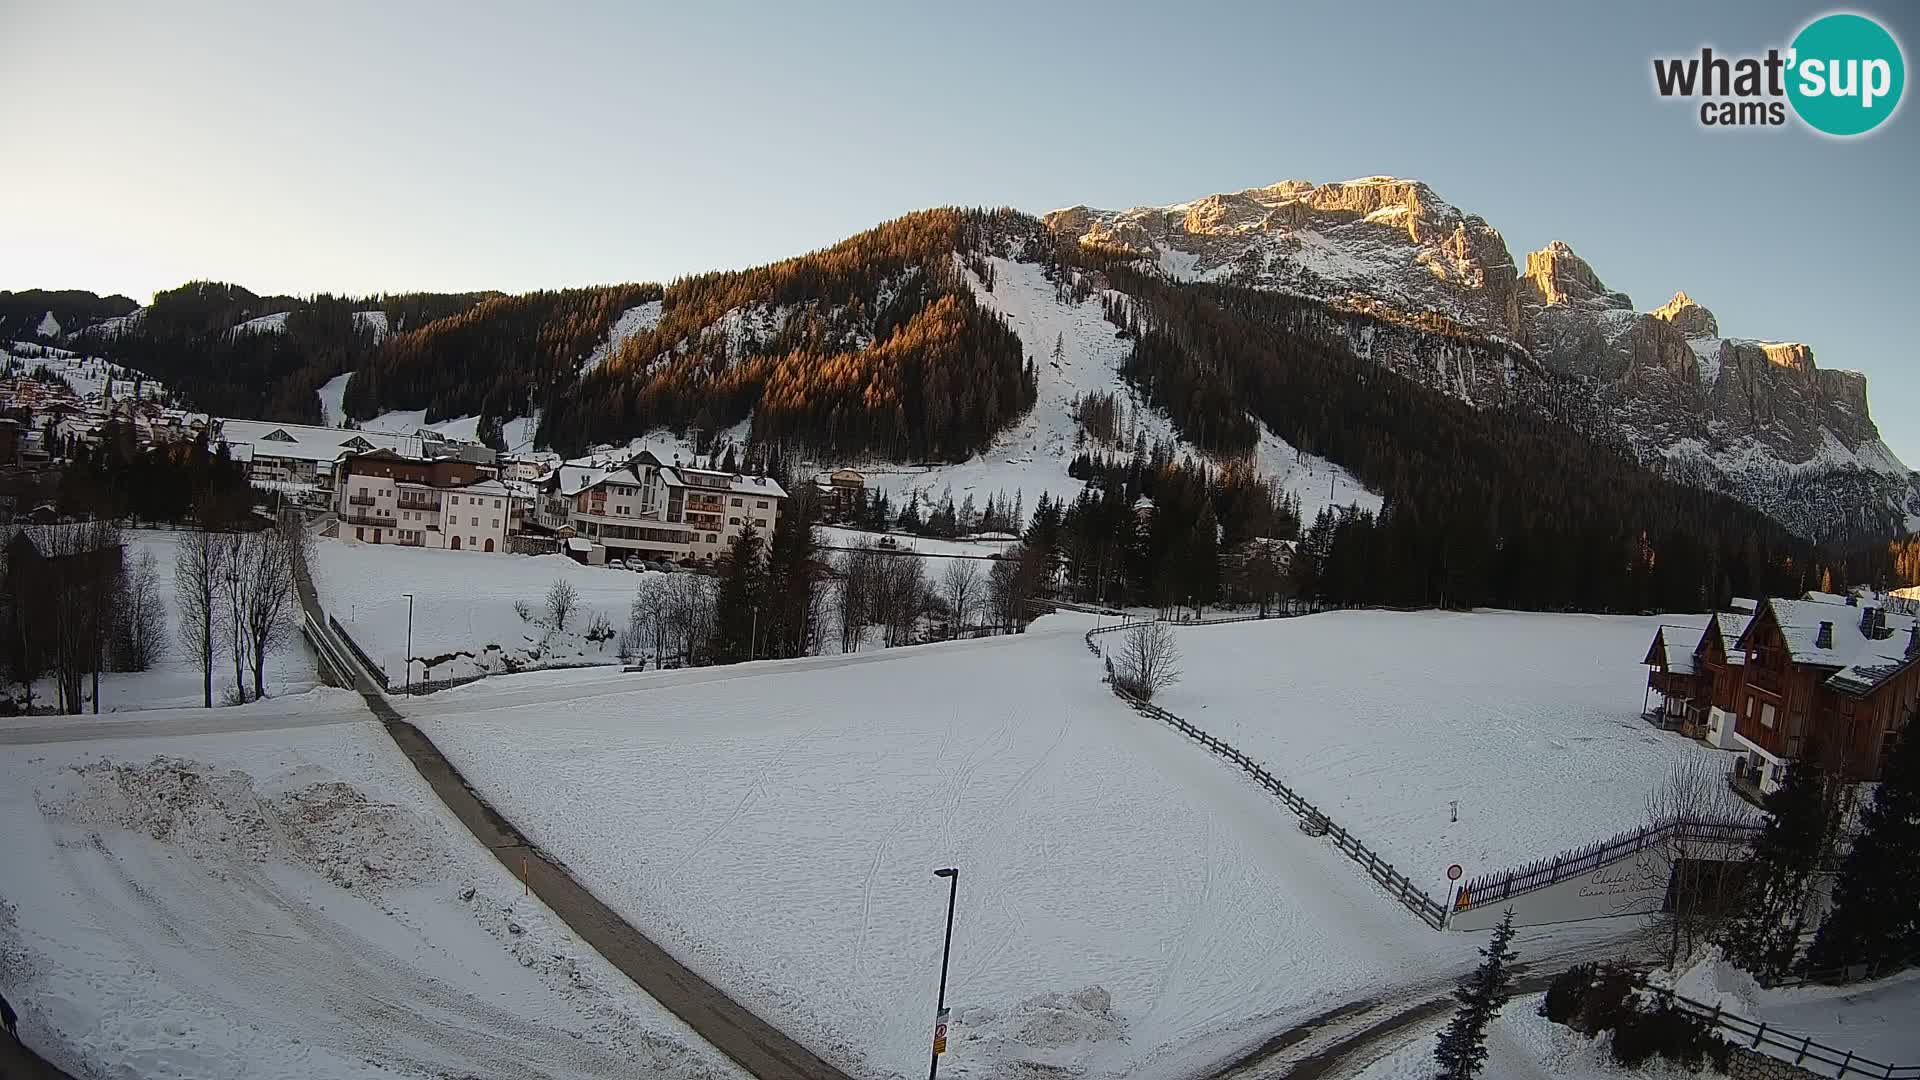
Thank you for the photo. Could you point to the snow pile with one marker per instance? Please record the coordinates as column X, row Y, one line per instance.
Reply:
column 290, row 903
column 634, row 320
column 49, row 326
column 464, row 621
column 1124, row 905
column 1383, row 719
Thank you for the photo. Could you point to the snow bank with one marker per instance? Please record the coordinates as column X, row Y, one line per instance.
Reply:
column 1874, row 1020
column 1531, row 722
column 1522, row 1045
column 1124, row 903
column 290, row 903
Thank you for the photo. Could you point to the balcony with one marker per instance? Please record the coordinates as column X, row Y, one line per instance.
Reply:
column 1766, row 679
column 368, row 519
column 406, row 503
column 360, row 500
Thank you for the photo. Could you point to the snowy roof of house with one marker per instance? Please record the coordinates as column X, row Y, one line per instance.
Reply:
column 1815, row 597
column 307, row 442
column 579, row 543
column 714, row 480
column 1731, row 626
column 1743, row 605
column 1864, row 662
column 1674, row 648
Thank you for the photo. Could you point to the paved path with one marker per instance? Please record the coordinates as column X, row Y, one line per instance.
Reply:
column 733, row 1029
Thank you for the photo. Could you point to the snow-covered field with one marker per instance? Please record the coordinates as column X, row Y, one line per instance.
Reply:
column 463, row 603
column 1531, row 722
column 288, row 902
column 175, row 681
column 1125, row 904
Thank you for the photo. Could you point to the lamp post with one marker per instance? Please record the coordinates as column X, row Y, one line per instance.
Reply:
column 409, row 656
column 952, row 874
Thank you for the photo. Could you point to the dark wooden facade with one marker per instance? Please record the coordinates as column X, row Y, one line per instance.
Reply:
column 1785, row 706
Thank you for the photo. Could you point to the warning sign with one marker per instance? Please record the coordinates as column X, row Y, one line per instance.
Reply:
column 940, row 1033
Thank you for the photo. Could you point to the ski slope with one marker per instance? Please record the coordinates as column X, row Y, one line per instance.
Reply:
column 289, row 902
column 1124, row 904
column 1530, row 722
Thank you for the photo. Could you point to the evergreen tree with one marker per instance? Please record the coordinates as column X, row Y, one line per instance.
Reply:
column 791, row 581
column 1876, row 903
column 741, row 600
column 1799, row 834
column 1463, row 1045
column 1203, row 559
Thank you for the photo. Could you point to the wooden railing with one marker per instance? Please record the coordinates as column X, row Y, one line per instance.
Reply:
column 1312, row 820
column 1503, row 885
column 1798, row 1050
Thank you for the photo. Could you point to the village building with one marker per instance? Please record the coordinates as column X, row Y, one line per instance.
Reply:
column 384, row 497
column 644, row 509
column 295, row 457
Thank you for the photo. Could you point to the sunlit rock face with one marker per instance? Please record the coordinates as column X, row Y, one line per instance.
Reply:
column 1757, row 419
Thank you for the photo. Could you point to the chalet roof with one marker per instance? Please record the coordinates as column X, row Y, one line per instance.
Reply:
column 307, row 442
column 1671, row 648
column 1743, row 605
column 1863, row 663
column 1815, row 597
column 1732, row 626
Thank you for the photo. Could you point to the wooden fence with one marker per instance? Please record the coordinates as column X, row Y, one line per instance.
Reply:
column 1427, row 909
column 1503, row 885
column 1798, row 1050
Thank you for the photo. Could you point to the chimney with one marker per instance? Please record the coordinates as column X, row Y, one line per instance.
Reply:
column 1873, row 623
column 1853, row 600
column 1824, row 639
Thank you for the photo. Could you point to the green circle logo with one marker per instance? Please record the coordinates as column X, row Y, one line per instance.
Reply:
column 1847, row 74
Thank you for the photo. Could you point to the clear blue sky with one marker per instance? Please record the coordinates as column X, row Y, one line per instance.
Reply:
column 361, row 147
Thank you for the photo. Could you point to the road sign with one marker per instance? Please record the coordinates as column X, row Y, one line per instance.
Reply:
column 940, row 1033
column 1454, row 872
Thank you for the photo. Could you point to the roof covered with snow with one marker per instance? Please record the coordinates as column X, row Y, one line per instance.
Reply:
column 306, row 442
column 1826, row 631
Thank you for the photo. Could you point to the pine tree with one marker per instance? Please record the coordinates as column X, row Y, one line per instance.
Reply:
column 1876, row 903
column 1800, row 832
column 741, row 599
column 790, row 578
column 1463, row 1045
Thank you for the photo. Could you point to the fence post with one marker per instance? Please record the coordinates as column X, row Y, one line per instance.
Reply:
column 1758, row 1033
column 1805, row 1042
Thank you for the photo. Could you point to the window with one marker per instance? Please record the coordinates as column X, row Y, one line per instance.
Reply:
column 733, row 521
column 496, row 523
column 455, row 499
column 475, row 522
column 712, row 539
column 736, row 502
column 1766, row 716
column 496, row 504
column 761, row 505
column 759, row 523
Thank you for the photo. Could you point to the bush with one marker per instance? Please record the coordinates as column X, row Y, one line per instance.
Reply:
column 1567, row 993
column 1671, row 1033
column 521, row 608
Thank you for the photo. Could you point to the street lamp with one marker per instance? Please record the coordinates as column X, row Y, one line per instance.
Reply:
column 409, row 657
column 952, row 874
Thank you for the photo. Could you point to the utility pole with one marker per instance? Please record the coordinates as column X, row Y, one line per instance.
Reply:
column 409, row 657
column 952, row 874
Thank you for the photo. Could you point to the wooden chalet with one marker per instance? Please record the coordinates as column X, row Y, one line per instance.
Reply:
column 1844, row 676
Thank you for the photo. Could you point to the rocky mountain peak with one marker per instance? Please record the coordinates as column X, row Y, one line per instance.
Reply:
column 1688, row 317
column 1555, row 275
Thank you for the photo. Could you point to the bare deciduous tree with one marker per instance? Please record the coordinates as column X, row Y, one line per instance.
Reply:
column 265, row 625
column 962, row 584
column 198, row 568
column 1149, row 660
column 140, row 636
column 1704, row 886
column 562, row 599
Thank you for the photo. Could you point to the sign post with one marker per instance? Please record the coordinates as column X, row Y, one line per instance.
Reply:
column 1453, row 892
column 940, row 1033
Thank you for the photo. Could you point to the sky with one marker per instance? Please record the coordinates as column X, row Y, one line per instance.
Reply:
column 365, row 147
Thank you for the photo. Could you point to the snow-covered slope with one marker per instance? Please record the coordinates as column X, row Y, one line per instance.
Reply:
column 332, row 392
column 275, row 323
column 634, row 320
column 287, row 899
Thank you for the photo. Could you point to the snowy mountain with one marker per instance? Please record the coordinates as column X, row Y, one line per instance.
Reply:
column 1753, row 419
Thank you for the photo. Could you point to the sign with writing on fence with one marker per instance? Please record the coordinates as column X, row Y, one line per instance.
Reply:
column 940, row 1033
